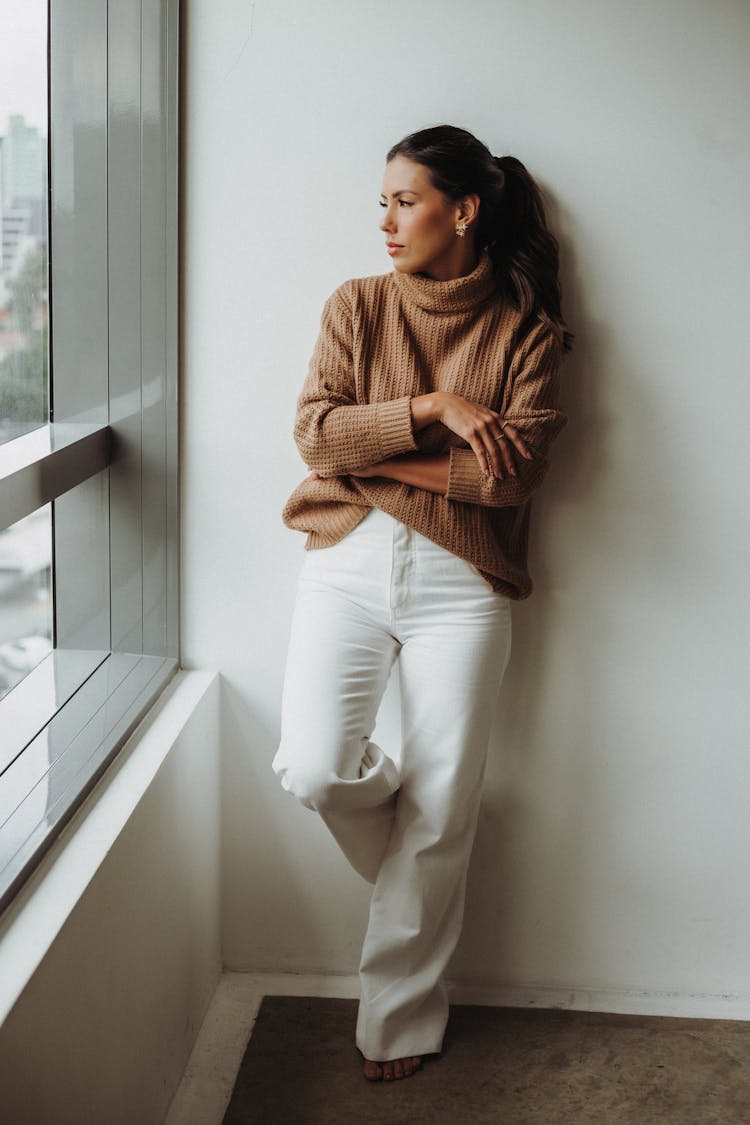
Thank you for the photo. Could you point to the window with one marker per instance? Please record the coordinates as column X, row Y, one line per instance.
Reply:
column 88, row 458
column 26, row 623
column 24, row 185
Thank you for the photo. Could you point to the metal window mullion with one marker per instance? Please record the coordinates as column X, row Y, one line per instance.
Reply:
column 171, row 249
column 125, row 323
column 39, row 467
column 153, row 320
column 78, row 283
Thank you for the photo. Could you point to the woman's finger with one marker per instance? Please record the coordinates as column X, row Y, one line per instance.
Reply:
column 497, row 444
column 506, row 464
column 506, row 451
column 481, row 455
column 486, row 436
column 497, row 460
column 512, row 434
column 495, row 438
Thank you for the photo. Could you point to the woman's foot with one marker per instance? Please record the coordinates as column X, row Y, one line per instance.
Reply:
column 395, row 1068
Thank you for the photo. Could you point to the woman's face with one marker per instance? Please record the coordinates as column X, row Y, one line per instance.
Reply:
column 420, row 223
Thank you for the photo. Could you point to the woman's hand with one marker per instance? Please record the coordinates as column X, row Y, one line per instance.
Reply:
column 494, row 441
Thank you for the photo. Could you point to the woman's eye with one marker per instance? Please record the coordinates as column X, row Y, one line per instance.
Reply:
column 405, row 203
column 381, row 204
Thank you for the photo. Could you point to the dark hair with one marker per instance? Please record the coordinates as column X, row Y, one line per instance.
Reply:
column 512, row 226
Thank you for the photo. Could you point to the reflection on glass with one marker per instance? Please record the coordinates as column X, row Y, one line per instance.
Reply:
column 25, row 596
column 23, row 217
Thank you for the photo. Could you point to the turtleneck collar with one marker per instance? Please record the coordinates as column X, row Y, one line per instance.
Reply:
column 458, row 295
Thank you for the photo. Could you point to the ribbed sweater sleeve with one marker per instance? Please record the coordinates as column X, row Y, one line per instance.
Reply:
column 534, row 411
column 333, row 432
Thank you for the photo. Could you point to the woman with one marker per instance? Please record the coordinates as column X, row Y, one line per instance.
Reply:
column 426, row 416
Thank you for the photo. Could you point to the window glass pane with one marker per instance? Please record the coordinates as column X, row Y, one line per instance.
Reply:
column 25, row 596
column 23, row 217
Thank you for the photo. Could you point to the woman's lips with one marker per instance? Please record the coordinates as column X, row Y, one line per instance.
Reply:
column 393, row 247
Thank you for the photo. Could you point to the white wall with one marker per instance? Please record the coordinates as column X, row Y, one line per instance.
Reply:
column 612, row 850
column 103, row 1029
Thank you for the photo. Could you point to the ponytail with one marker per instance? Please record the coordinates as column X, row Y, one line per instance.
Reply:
column 512, row 226
column 523, row 250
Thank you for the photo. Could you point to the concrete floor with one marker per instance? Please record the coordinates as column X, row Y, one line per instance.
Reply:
column 508, row 1065
column 498, row 1065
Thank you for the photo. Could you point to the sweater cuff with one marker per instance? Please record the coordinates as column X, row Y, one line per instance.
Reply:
column 465, row 478
column 395, row 427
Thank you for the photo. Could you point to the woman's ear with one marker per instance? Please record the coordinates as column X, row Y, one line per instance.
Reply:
column 467, row 209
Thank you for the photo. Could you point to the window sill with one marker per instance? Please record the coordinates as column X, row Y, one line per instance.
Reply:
column 38, row 912
column 44, row 785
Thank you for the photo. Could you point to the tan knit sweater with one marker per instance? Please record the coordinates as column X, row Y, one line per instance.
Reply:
column 388, row 338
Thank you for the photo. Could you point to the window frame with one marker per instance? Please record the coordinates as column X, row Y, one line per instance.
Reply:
column 108, row 459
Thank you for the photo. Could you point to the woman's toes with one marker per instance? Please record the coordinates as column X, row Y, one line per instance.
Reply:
column 391, row 1070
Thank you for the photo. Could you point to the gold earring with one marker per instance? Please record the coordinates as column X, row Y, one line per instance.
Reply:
column 461, row 228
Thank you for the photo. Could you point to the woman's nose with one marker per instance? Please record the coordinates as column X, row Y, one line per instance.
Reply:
column 387, row 223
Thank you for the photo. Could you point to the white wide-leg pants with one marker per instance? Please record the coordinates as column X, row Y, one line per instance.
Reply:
column 406, row 824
